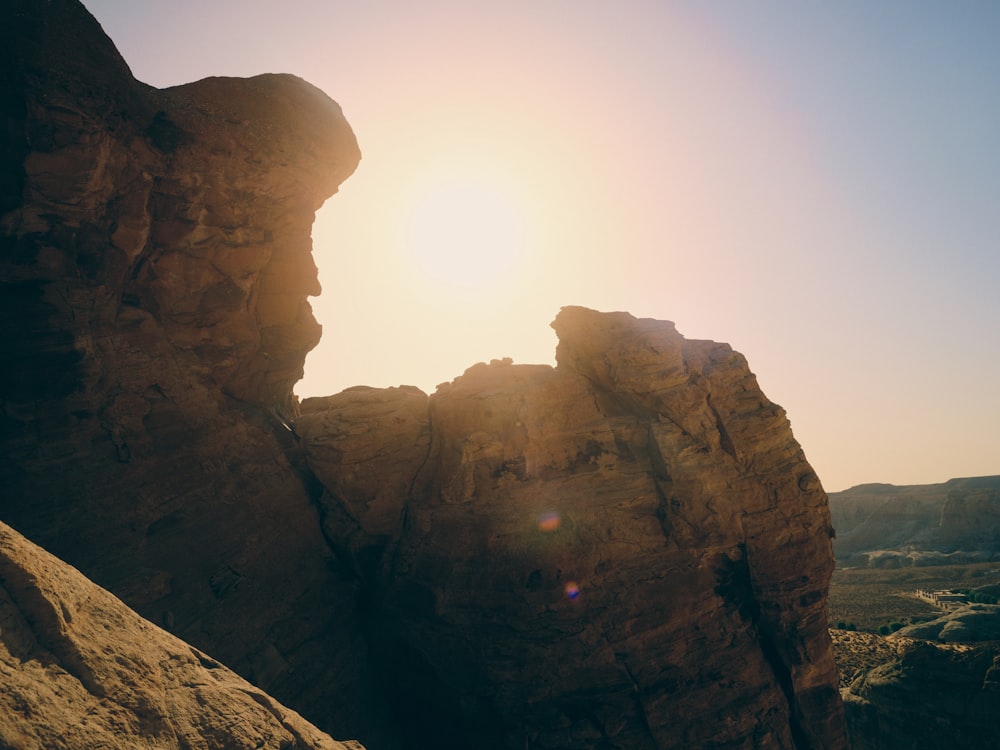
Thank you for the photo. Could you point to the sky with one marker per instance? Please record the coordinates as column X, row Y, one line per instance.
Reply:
column 816, row 184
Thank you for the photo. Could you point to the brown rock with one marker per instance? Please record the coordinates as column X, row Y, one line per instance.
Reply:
column 154, row 267
column 80, row 669
column 928, row 697
column 627, row 550
column 191, row 206
column 365, row 445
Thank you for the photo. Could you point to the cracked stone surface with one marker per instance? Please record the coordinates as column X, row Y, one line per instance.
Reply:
column 155, row 259
column 626, row 550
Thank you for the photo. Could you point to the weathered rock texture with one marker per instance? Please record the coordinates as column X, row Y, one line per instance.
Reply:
column 629, row 550
column 929, row 697
column 79, row 669
column 155, row 262
column 968, row 624
column 882, row 525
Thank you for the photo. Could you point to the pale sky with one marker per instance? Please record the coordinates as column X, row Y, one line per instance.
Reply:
column 816, row 184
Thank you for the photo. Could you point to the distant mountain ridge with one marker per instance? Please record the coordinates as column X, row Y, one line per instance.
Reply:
column 884, row 525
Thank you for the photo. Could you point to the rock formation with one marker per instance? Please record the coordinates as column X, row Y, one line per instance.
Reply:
column 155, row 259
column 81, row 670
column 968, row 624
column 929, row 697
column 881, row 525
column 626, row 550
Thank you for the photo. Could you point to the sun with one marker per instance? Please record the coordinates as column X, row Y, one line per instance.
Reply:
column 464, row 234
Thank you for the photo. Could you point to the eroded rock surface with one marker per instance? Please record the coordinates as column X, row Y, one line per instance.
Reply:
column 628, row 550
column 155, row 260
column 81, row 670
column 930, row 696
column 968, row 624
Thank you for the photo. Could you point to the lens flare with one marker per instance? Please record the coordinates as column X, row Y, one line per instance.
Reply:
column 549, row 520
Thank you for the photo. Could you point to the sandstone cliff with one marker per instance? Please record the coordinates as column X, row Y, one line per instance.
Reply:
column 883, row 525
column 81, row 670
column 155, row 259
column 627, row 550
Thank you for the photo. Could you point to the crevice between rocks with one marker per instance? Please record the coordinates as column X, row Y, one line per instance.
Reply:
column 743, row 593
column 640, row 708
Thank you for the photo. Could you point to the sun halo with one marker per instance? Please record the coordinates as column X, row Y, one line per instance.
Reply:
column 464, row 235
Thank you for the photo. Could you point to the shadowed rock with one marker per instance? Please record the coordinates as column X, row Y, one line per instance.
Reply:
column 627, row 550
column 155, row 259
column 929, row 697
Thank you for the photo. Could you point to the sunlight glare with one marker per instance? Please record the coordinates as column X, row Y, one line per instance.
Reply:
column 464, row 234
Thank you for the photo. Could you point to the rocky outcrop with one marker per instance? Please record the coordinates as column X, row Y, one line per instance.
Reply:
column 155, row 260
column 182, row 216
column 628, row 550
column 882, row 525
column 365, row 445
column 81, row 670
column 929, row 697
column 968, row 624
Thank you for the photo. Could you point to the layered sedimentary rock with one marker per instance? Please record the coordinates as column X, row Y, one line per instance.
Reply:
column 881, row 525
column 79, row 669
column 155, row 260
column 627, row 550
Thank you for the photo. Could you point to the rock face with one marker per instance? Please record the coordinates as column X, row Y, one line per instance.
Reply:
column 154, row 266
column 80, row 669
column 187, row 210
column 629, row 550
column 881, row 525
column 930, row 697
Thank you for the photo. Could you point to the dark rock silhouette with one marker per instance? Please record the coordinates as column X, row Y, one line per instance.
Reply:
column 629, row 549
column 626, row 550
column 155, row 259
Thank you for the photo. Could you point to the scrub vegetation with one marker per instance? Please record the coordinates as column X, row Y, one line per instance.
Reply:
column 881, row 600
